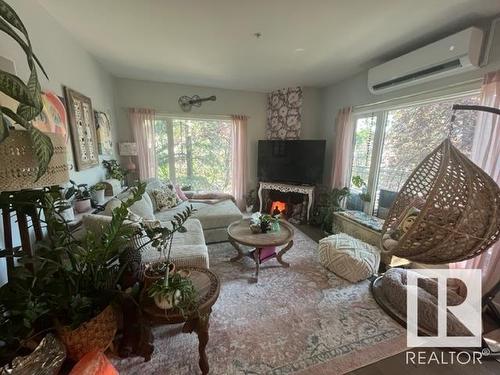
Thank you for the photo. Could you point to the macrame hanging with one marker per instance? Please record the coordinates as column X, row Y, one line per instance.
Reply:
column 456, row 208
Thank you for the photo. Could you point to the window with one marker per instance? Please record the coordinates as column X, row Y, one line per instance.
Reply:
column 194, row 153
column 388, row 145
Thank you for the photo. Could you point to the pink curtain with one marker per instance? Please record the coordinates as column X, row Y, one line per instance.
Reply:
column 343, row 148
column 239, row 159
column 142, row 122
column 486, row 154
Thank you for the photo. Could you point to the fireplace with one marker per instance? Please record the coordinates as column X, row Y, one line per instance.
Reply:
column 278, row 207
column 290, row 206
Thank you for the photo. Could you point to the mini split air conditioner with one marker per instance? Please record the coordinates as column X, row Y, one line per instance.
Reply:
column 452, row 55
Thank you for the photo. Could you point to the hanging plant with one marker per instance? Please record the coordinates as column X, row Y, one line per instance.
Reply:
column 27, row 94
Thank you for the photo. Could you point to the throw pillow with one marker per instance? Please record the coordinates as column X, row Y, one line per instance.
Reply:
column 165, row 198
column 180, row 193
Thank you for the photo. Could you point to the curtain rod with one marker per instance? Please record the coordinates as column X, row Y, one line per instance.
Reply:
column 399, row 98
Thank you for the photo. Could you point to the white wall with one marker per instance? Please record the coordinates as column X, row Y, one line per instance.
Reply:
column 354, row 92
column 67, row 64
column 163, row 98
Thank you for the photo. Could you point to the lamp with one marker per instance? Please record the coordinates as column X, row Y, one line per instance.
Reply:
column 128, row 149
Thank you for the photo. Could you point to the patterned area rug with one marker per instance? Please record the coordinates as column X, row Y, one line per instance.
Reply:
column 297, row 320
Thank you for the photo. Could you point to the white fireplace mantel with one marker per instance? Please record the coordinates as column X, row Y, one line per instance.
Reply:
column 288, row 188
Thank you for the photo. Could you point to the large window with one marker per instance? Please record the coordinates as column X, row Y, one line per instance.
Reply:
column 388, row 145
column 194, row 153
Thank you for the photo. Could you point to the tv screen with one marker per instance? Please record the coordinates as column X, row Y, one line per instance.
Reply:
column 295, row 161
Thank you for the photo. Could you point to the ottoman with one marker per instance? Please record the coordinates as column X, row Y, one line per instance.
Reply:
column 348, row 257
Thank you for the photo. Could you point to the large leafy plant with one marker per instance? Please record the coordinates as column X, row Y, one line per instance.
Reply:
column 27, row 94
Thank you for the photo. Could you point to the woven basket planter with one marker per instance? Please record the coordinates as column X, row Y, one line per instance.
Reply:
column 459, row 206
column 95, row 334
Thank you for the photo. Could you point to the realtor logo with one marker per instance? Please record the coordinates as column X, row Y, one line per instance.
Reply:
column 468, row 312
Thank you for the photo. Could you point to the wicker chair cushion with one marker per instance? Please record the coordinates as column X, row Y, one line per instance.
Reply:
column 394, row 284
column 348, row 257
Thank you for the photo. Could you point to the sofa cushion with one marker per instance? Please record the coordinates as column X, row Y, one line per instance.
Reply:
column 165, row 198
column 143, row 208
column 348, row 257
column 218, row 215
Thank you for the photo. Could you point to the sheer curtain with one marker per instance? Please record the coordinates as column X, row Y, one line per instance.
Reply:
column 143, row 121
column 239, row 159
column 343, row 148
column 486, row 154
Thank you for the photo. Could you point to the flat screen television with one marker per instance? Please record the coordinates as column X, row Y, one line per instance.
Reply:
column 294, row 161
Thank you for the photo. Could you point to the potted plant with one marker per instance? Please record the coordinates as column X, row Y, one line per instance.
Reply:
column 70, row 282
column 97, row 192
column 81, row 195
column 114, row 170
column 263, row 223
column 250, row 200
column 365, row 197
column 333, row 204
column 169, row 289
column 26, row 103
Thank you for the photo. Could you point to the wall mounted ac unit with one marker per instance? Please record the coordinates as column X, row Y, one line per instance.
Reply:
column 452, row 55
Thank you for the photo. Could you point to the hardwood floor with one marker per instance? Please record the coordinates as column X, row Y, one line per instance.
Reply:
column 397, row 364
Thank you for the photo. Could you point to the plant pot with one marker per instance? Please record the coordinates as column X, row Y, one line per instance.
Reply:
column 168, row 301
column 98, row 196
column 150, row 278
column 67, row 214
column 83, row 205
column 95, row 334
column 249, row 209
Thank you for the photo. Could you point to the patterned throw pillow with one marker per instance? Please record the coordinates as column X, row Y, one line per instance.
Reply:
column 165, row 198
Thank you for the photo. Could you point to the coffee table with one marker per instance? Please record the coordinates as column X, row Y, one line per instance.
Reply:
column 239, row 233
column 207, row 285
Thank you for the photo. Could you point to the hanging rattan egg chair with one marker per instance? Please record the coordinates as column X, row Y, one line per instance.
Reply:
column 458, row 207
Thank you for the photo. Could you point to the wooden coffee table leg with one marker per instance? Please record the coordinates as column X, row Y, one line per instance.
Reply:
column 240, row 255
column 201, row 326
column 282, row 252
column 256, row 258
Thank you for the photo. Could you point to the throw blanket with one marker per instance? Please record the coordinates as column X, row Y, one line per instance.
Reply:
column 209, row 197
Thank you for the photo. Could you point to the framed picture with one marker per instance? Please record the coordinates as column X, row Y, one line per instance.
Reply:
column 83, row 134
column 103, row 130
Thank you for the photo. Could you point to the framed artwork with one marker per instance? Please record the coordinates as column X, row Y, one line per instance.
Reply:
column 103, row 130
column 83, row 134
column 54, row 119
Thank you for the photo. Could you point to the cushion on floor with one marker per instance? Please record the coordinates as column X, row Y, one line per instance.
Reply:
column 348, row 257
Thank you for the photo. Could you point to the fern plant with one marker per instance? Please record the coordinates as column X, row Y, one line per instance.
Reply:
column 27, row 94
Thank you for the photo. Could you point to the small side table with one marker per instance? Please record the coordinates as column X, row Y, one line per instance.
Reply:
column 239, row 233
column 207, row 284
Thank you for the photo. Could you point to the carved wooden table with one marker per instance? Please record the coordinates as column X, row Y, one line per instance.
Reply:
column 239, row 233
column 207, row 285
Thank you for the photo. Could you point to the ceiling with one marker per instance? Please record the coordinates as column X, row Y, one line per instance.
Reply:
column 212, row 42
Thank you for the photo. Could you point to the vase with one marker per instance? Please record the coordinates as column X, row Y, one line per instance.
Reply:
column 67, row 214
column 150, row 277
column 98, row 196
column 82, row 205
column 94, row 334
column 169, row 300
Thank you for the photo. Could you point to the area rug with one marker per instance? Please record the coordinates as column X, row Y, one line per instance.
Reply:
column 297, row 320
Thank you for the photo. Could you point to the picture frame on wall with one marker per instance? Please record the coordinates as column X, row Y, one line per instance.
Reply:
column 83, row 131
column 103, row 130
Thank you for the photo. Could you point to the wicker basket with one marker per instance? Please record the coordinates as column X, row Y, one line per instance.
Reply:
column 460, row 210
column 18, row 168
column 96, row 334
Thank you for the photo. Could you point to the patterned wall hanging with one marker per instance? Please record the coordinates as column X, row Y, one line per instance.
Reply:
column 284, row 113
column 103, row 130
column 83, row 134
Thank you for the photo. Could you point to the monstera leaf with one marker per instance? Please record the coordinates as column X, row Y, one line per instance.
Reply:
column 27, row 94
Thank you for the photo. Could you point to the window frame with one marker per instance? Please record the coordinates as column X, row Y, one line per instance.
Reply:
column 169, row 118
column 381, row 114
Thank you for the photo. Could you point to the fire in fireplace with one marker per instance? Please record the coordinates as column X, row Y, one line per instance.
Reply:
column 278, row 207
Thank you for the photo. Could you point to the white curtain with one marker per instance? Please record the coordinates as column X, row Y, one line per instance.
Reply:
column 342, row 150
column 486, row 154
column 239, row 159
column 143, row 122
